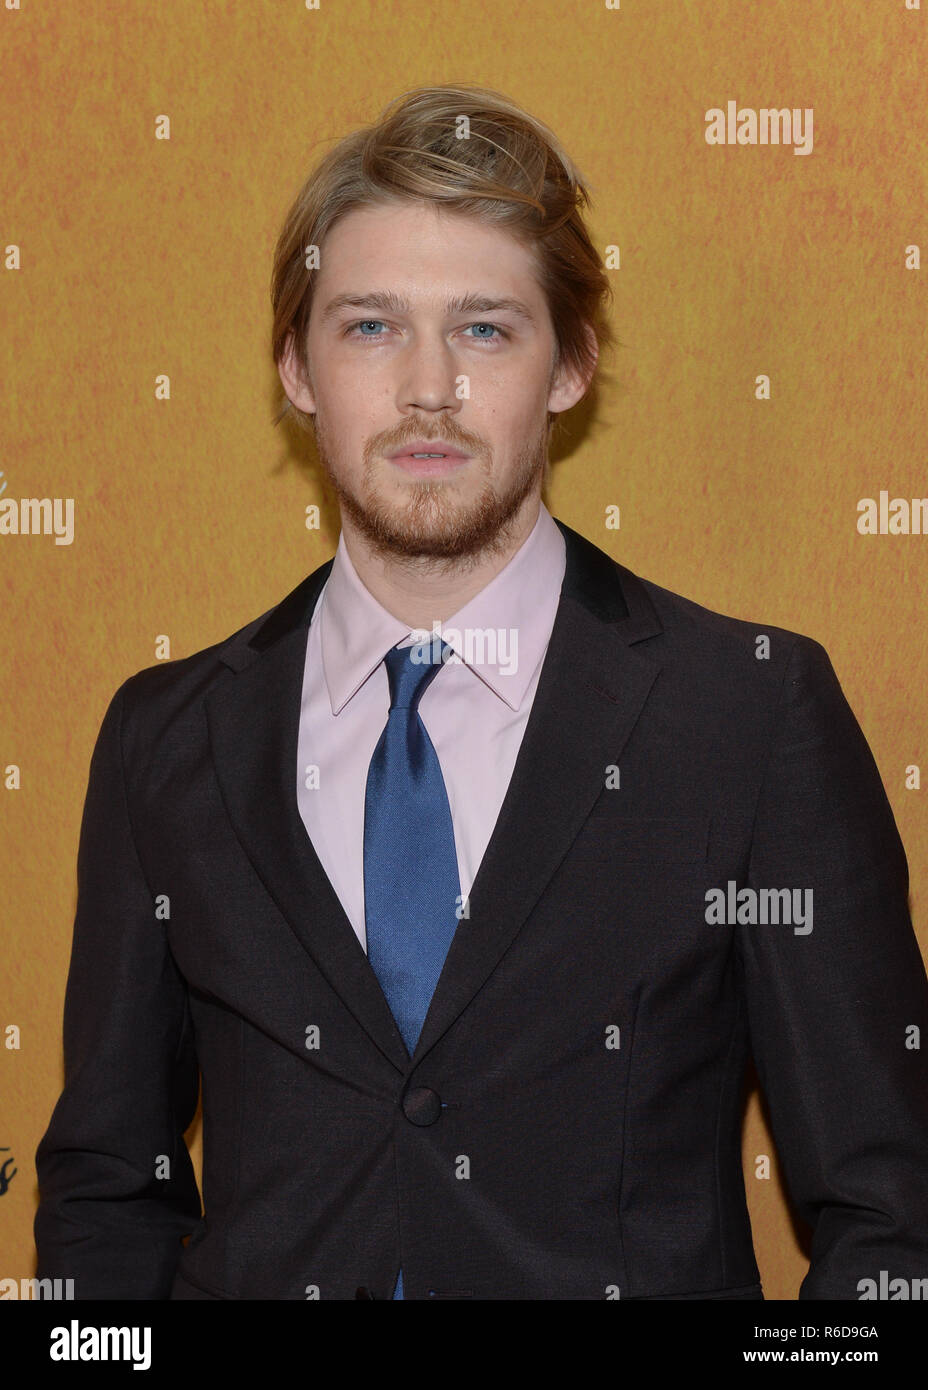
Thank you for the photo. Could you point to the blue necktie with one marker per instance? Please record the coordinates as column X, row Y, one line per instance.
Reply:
column 411, row 884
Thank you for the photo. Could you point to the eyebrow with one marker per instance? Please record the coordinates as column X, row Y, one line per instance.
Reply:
column 391, row 303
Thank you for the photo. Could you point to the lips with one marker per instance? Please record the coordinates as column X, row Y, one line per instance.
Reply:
column 428, row 447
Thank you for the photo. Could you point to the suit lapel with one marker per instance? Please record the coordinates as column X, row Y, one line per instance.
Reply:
column 254, row 727
column 592, row 689
column 590, row 694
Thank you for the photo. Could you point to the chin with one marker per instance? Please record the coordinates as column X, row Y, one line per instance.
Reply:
column 428, row 524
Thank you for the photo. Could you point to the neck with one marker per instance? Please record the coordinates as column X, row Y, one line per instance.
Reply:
column 423, row 589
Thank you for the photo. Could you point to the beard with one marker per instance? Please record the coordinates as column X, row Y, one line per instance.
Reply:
column 434, row 524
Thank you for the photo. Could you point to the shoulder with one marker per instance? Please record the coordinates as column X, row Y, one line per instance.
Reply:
column 157, row 696
column 183, row 678
column 685, row 636
column 709, row 648
column 693, row 629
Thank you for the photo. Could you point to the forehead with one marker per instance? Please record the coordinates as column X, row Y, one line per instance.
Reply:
column 423, row 250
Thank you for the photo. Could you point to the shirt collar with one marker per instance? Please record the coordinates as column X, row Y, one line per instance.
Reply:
column 501, row 634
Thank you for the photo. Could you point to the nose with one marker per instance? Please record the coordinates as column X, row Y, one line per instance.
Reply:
column 430, row 379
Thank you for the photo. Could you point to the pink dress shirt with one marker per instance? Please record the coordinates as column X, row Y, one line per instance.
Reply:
column 475, row 709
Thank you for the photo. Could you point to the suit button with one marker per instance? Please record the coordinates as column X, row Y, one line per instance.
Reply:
column 421, row 1106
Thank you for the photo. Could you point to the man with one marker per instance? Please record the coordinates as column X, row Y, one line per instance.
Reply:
column 469, row 876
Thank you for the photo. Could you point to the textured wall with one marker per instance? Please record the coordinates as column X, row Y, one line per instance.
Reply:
column 140, row 256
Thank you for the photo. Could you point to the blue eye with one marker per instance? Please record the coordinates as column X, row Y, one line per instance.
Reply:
column 362, row 325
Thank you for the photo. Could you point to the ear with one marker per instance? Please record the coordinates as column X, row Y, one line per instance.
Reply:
column 568, row 384
column 294, row 380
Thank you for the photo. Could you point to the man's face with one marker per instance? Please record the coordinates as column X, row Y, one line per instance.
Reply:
column 428, row 357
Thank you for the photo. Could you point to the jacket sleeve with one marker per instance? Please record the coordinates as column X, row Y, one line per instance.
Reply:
column 117, row 1189
column 838, row 1015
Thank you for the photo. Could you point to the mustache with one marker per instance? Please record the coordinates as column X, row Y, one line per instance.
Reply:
column 447, row 433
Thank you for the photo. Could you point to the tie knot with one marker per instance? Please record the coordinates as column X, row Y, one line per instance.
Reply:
column 411, row 669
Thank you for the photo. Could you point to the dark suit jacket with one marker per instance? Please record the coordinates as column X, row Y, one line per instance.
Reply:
column 569, row 1126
